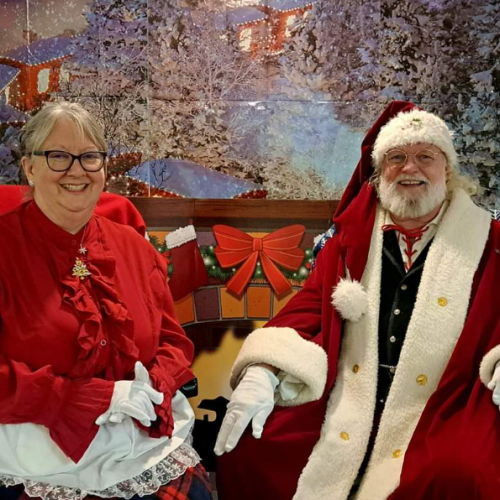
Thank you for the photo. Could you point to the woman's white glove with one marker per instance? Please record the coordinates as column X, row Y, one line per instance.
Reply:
column 133, row 399
column 494, row 385
column 252, row 400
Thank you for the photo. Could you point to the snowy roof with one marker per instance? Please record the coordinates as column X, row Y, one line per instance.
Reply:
column 191, row 180
column 244, row 15
column 7, row 74
column 284, row 5
column 41, row 51
column 9, row 114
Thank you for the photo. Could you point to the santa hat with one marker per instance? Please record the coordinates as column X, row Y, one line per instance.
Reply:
column 354, row 221
column 414, row 127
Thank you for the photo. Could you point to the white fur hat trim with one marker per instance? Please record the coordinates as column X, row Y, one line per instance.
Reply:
column 350, row 299
column 414, row 127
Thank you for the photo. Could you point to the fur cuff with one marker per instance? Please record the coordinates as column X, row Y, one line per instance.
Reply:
column 350, row 299
column 285, row 349
column 488, row 365
column 180, row 237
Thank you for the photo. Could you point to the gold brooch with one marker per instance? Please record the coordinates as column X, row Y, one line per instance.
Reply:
column 80, row 269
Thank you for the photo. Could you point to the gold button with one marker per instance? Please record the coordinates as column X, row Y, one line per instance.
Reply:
column 404, row 287
column 442, row 301
column 421, row 380
column 397, row 312
column 355, row 368
column 344, row 436
column 396, row 453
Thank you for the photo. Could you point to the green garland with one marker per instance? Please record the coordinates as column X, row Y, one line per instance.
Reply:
column 215, row 271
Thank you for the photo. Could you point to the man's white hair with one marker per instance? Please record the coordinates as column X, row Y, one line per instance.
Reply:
column 415, row 127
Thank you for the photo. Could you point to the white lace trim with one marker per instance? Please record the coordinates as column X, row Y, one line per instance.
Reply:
column 147, row 483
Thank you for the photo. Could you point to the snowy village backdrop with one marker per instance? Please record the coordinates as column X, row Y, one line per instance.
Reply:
column 250, row 98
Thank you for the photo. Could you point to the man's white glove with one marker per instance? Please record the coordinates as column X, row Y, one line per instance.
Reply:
column 252, row 400
column 494, row 385
column 133, row 399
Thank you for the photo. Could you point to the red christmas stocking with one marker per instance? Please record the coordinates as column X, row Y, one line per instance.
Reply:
column 189, row 271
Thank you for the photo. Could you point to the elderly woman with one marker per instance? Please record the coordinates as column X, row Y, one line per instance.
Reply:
column 91, row 354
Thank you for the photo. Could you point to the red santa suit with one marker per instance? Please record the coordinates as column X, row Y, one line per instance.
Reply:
column 313, row 446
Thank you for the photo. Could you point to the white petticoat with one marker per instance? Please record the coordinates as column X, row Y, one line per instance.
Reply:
column 121, row 461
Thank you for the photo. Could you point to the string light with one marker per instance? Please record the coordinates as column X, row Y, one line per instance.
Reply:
column 16, row 72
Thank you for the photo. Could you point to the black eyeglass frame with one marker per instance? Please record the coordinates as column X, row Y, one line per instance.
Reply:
column 73, row 158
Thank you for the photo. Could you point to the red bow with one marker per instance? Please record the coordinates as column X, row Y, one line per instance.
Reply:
column 280, row 247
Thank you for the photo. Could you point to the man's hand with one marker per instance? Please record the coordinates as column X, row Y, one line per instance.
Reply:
column 252, row 400
column 494, row 385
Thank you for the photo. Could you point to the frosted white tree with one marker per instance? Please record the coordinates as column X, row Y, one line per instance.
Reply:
column 441, row 55
column 334, row 49
column 166, row 77
column 198, row 76
column 109, row 69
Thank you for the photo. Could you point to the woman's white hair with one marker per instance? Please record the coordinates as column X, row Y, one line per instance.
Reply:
column 39, row 126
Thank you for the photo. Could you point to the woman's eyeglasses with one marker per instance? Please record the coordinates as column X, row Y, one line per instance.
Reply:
column 61, row 161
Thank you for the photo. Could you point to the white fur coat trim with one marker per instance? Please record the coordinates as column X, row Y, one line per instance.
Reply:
column 488, row 365
column 431, row 336
column 285, row 349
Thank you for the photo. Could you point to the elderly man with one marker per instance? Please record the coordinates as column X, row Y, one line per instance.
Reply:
column 378, row 386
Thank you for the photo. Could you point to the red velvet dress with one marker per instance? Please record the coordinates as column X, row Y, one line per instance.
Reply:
column 63, row 342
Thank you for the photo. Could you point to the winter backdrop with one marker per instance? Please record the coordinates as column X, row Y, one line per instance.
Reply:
column 232, row 98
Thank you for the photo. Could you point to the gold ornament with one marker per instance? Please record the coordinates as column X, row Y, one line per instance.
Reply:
column 80, row 269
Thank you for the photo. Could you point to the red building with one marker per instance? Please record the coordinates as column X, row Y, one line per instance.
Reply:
column 265, row 28
column 251, row 28
column 36, row 70
column 282, row 15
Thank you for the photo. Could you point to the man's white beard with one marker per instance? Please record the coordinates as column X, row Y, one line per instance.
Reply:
column 410, row 207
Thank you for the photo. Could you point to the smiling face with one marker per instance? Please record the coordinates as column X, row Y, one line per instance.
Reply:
column 413, row 190
column 66, row 198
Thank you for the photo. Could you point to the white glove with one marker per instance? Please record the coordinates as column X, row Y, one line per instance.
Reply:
column 253, row 399
column 141, row 375
column 133, row 399
column 494, row 385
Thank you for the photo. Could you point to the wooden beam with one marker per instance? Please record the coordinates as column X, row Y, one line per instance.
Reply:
column 243, row 213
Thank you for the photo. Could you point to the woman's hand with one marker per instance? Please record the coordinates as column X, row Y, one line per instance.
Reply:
column 252, row 400
column 133, row 399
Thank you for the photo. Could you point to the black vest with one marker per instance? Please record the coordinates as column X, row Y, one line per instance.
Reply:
column 398, row 293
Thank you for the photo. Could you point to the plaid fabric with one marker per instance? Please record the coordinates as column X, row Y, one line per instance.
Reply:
column 192, row 485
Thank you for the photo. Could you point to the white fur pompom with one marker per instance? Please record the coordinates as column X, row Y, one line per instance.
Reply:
column 350, row 299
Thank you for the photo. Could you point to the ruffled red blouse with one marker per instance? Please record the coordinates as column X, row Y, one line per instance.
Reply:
column 63, row 342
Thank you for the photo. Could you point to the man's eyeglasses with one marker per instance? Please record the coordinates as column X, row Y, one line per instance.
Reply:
column 62, row 161
column 395, row 158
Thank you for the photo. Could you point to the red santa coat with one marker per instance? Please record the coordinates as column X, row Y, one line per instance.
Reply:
column 63, row 342
column 314, row 449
